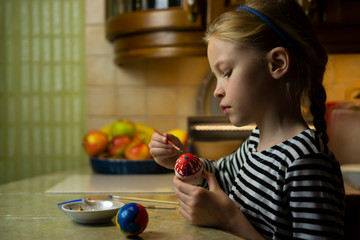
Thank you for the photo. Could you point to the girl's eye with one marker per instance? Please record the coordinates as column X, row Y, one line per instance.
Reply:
column 227, row 74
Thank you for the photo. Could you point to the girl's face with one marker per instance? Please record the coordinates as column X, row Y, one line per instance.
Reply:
column 243, row 81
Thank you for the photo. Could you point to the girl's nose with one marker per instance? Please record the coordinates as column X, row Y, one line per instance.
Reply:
column 219, row 91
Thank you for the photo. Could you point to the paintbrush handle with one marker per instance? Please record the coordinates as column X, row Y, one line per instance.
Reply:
column 159, row 207
column 169, row 142
column 143, row 199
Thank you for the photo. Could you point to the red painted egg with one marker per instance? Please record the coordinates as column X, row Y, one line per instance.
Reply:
column 189, row 168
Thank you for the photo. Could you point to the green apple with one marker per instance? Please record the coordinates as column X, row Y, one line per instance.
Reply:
column 123, row 128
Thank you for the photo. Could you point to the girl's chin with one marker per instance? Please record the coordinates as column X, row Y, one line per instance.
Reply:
column 237, row 122
column 234, row 121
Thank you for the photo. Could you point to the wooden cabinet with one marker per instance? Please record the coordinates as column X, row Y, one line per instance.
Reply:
column 154, row 33
column 177, row 31
column 337, row 23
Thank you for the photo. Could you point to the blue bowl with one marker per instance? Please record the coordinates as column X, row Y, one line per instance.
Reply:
column 124, row 166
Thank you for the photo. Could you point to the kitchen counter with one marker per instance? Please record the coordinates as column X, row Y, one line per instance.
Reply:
column 29, row 211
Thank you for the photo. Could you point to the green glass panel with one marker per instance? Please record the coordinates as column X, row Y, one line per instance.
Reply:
column 42, row 87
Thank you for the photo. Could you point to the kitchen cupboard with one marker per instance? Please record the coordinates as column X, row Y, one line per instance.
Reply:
column 337, row 23
column 139, row 29
column 174, row 31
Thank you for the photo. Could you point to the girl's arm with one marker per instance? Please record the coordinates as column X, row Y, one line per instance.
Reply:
column 315, row 191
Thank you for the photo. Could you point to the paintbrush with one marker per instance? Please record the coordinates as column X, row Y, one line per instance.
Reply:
column 170, row 142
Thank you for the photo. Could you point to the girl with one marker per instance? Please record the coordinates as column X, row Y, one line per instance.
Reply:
column 283, row 182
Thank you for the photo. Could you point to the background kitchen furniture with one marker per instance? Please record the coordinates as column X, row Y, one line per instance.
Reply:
column 177, row 31
column 169, row 32
column 213, row 137
column 344, row 131
column 337, row 23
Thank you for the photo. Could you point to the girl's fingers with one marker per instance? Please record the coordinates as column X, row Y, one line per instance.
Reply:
column 158, row 152
column 184, row 213
column 212, row 181
column 183, row 187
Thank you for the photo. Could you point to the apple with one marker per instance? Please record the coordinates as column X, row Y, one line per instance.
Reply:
column 141, row 128
column 142, row 137
column 118, row 145
column 137, row 150
column 95, row 142
column 123, row 128
column 106, row 129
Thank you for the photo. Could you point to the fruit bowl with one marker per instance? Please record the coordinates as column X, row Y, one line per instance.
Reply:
column 124, row 166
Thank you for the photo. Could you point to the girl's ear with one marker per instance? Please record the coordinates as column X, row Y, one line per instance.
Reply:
column 279, row 61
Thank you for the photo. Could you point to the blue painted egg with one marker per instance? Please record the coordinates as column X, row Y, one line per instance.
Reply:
column 132, row 219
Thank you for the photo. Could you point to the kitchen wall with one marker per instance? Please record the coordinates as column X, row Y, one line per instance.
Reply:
column 162, row 92
column 159, row 93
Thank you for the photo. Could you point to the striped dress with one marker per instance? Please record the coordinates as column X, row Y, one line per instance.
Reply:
column 294, row 190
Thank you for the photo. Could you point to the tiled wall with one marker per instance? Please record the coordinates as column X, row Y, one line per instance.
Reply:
column 162, row 93
column 42, row 96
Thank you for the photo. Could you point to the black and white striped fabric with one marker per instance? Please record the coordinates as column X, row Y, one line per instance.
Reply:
column 293, row 190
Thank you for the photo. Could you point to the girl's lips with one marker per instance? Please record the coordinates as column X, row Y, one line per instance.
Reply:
column 225, row 109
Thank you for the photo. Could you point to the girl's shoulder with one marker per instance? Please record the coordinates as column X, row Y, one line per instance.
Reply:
column 308, row 150
column 306, row 145
column 308, row 142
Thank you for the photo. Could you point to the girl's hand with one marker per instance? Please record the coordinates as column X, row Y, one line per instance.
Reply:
column 163, row 153
column 212, row 208
column 202, row 207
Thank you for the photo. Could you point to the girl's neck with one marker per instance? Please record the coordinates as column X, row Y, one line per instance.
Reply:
column 278, row 126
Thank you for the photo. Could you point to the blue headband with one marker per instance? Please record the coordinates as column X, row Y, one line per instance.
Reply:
column 268, row 22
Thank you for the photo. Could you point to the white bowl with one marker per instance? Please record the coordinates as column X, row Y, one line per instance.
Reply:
column 92, row 211
column 351, row 174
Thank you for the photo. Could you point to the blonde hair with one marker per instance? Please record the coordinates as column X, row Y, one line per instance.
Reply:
column 308, row 57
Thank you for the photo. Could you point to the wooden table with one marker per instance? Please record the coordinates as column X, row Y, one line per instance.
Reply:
column 28, row 212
